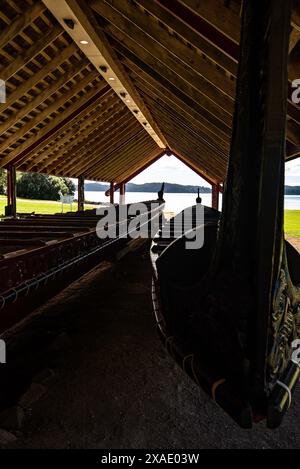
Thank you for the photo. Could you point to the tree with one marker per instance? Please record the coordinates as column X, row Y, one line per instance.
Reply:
column 43, row 187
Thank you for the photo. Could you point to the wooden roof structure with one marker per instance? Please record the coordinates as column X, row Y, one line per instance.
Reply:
column 102, row 88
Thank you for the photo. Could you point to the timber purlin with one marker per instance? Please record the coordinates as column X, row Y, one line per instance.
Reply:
column 178, row 57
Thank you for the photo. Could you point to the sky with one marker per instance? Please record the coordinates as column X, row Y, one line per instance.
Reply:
column 292, row 173
column 170, row 169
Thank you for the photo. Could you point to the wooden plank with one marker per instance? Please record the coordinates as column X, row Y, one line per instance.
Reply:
column 122, row 160
column 21, row 22
column 294, row 39
column 217, row 14
column 67, row 142
column 140, row 167
column 54, row 126
column 135, row 39
column 183, row 91
column 146, row 83
column 99, row 51
column 106, row 155
column 106, row 143
column 71, row 72
column 82, row 156
column 48, row 111
column 171, row 119
column 157, row 99
column 80, row 193
column 189, row 34
column 30, row 53
column 12, row 191
column 109, row 9
column 24, row 87
column 209, row 160
column 64, row 125
column 190, row 164
column 61, row 162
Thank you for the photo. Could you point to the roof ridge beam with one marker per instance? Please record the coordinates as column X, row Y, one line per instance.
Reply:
column 94, row 44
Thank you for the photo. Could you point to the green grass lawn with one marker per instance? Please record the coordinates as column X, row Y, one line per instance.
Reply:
column 292, row 223
column 39, row 206
column 292, row 217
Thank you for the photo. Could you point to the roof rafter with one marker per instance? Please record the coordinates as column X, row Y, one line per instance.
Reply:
column 35, row 141
column 99, row 52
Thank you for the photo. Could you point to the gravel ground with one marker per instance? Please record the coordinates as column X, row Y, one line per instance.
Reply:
column 115, row 386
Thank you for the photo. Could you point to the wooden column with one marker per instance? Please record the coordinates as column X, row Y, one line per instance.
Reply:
column 122, row 194
column 112, row 193
column 81, row 196
column 11, row 208
column 215, row 196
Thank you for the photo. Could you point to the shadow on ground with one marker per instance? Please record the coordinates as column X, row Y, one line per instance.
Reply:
column 114, row 385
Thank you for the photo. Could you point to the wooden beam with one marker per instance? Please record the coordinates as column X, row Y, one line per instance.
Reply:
column 29, row 54
column 133, row 38
column 12, row 139
column 185, row 159
column 83, row 156
column 294, row 39
column 152, row 88
column 162, row 101
column 81, row 193
column 11, row 209
column 129, row 37
column 215, row 196
column 189, row 34
column 27, row 85
column 194, row 99
column 122, row 158
column 104, row 149
column 218, row 15
column 140, row 166
column 112, row 193
column 45, row 134
column 181, row 51
column 296, row 16
column 133, row 172
column 71, row 72
column 64, row 127
column 182, row 131
column 21, row 22
column 122, row 193
column 73, row 141
column 98, row 51
column 167, row 111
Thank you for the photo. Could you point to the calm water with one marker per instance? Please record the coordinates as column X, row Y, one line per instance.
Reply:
column 176, row 202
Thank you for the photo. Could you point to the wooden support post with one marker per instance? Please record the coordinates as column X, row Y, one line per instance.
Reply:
column 122, row 194
column 215, row 196
column 11, row 208
column 112, row 193
column 81, row 196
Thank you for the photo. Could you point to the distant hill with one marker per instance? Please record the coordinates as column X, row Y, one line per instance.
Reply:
column 170, row 188
column 292, row 190
column 150, row 187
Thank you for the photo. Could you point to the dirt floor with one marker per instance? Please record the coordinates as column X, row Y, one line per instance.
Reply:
column 295, row 242
column 114, row 386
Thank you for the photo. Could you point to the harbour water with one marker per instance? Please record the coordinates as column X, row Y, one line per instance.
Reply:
column 176, row 202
